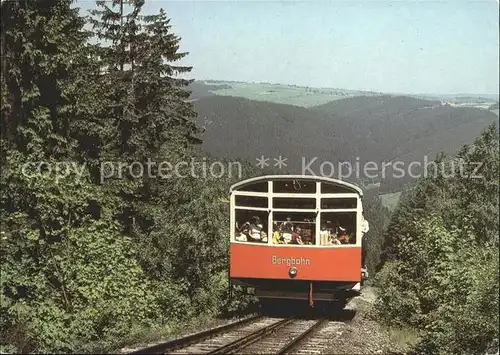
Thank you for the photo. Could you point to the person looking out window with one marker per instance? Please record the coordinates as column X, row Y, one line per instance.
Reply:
column 296, row 237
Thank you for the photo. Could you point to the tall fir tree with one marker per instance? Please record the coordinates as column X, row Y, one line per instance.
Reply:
column 37, row 75
column 146, row 108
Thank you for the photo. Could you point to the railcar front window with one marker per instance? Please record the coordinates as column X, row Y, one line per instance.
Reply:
column 255, row 187
column 294, row 203
column 338, row 203
column 338, row 228
column 328, row 188
column 251, row 201
column 251, row 226
column 294, row 228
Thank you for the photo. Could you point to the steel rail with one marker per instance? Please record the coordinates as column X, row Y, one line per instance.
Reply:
column 251, row 338
column 287, row 348
column 193, row 338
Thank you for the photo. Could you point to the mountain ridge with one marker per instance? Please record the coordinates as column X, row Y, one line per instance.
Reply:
column 308, row 96
column 381, row 128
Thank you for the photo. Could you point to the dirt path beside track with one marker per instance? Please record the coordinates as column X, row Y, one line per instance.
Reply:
column 364, row 335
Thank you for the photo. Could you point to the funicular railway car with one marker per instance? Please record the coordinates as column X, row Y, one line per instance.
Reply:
column 296, row 237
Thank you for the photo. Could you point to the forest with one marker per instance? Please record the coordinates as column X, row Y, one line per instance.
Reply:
column 439, row 261
column 85, row 261
column 91, row 264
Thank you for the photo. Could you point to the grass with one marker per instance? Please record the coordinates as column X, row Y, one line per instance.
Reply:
column 310, row 96
column 147, row 336
column 286, row 94
column 141, row 336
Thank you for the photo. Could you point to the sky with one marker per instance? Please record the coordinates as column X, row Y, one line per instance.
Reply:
column 438, row 47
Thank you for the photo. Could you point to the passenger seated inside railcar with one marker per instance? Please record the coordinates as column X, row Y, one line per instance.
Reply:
column 249, row 226
column 286, row 228
column 243, row 233
column 340, row 226
column 323, row 235
column 278, row 238
column 334, row 239
column 308, row 240
column 296, row 236
column 342, row 236
column 277, row 234
column 308, row 232
column 256, row 229
column 296, row 228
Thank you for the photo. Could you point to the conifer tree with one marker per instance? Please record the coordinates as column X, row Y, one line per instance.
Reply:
column 145, row 110
column 37, row 75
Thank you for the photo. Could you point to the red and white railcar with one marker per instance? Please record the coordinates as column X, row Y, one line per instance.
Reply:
column 323, row 261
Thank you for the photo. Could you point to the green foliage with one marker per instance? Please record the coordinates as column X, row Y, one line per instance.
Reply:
column 441, row 255
column 378, row 217
column 84, row 259
column 172, row 302
column 66, row 277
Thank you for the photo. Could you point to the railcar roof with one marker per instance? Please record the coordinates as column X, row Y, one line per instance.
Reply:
column 350, row 186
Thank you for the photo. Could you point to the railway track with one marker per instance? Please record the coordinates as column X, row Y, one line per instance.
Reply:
column 254, row 335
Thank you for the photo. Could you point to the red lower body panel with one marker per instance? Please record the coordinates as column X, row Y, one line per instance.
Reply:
column 313, row 264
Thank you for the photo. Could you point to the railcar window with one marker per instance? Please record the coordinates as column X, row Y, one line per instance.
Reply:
column 327, row 203
column 294, row 203
column 338, row 228
column 294, row 228
column 255, row 187
column 251, row 226
column 327, row 188
column 294, row 186
column 251, row 201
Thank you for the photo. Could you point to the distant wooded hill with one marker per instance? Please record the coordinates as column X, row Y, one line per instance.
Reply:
column 311, row 96
column 375, row 128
